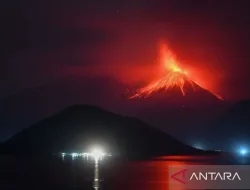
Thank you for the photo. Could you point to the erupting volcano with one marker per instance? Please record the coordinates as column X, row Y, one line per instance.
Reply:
column 175, row 76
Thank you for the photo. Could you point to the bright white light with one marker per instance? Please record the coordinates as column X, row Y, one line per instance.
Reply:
column 74, row 154
column 97, row 154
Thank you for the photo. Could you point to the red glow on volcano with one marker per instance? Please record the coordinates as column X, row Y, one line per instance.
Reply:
column 175, row 76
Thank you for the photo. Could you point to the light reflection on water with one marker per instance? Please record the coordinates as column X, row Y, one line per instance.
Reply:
column 150, row 175
column 96, row 181
column 154, row 174
column 143, row 175
column 110, row 174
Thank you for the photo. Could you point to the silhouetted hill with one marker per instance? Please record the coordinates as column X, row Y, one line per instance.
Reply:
column 31, row 105
column 232, row 128
column 169, row 111
column 77, row 127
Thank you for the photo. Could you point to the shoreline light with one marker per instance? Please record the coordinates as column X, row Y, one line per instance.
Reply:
column 96, row 154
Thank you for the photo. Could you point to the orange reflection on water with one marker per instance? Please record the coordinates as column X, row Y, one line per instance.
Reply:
column 150, row 175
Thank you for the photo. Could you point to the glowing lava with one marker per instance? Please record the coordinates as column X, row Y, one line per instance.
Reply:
column 175, row 77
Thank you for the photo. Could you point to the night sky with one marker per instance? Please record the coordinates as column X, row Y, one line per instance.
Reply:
column 45, row 44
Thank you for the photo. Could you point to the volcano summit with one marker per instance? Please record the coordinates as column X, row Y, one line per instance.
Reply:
column 175, row 77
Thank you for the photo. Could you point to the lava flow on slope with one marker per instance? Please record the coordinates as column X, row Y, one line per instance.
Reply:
column 175, row 77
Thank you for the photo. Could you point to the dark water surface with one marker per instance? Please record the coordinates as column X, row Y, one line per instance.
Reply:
column 58, row 173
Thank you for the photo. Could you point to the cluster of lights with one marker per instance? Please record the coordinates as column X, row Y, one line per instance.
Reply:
column 96, row 154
